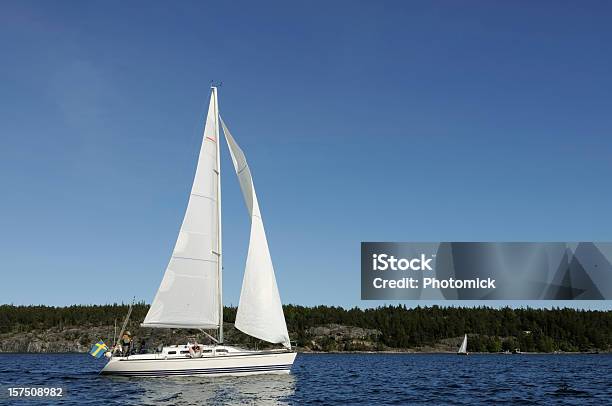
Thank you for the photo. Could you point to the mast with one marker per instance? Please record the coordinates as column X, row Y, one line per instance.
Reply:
column 219, row 244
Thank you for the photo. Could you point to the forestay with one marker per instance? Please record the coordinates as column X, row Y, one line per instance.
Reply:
column 188, row 296
column 260, row 312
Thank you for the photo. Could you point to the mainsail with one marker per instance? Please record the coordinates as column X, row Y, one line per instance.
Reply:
column 260, row 312
column 189, row 294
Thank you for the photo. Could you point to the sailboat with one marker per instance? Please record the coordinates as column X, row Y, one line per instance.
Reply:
column 190, row 293
column 463, row 348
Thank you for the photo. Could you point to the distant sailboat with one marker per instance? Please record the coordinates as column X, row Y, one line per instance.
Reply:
column 463, row 348
column 190, row 294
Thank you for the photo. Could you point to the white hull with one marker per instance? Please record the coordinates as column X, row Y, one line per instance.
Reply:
column 235, row 363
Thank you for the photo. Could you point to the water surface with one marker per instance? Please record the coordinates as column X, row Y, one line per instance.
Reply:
column 334, row 379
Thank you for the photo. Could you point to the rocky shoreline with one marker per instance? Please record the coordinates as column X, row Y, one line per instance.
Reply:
column 329, row 338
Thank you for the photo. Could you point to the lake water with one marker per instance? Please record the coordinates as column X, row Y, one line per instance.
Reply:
column 333, row 379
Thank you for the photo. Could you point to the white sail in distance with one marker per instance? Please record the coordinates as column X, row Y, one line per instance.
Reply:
column 189, row 294
column 463, row 348
column 260, row 311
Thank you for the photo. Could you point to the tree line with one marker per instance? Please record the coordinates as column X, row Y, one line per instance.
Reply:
column 489, row 329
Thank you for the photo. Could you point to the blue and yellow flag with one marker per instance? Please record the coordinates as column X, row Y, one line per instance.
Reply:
column 98, row 349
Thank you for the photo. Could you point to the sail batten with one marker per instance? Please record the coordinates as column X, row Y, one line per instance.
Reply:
column 260, row 311
column 188, row 296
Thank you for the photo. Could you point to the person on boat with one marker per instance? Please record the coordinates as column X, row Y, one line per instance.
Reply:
column 195, row 351
column 126, row 343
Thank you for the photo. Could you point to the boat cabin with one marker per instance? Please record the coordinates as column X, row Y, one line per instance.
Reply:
column 182, row 351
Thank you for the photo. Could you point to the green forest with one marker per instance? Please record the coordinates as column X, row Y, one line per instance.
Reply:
column 489, row 329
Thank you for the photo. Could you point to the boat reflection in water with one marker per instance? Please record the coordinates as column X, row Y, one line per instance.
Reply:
column 256, row 389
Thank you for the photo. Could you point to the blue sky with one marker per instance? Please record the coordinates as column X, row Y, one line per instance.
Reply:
column 373, row 121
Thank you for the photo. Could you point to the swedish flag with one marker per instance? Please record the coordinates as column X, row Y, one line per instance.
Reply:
column 98, row 349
